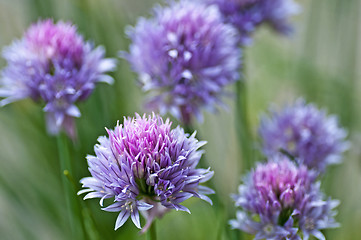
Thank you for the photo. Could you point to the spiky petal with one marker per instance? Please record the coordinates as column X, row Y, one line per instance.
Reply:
column 280, row 200
column 52, row 63
column 144, row 163
column 184, row 56
column 247, row 15
column 306, row 133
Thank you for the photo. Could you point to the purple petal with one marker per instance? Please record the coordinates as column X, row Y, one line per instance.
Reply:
column 135, row 218
column 94, row 195
column 121, row 219
column 142, row 206
column 115, row 207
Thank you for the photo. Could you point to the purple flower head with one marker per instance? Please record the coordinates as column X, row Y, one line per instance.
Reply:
column 281, row 201
column 306, row 133
column 185, row 56
column 52, row 63
column 146, row 166
column 247, row 15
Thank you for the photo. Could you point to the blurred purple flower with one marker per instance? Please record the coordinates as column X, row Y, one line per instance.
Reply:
column 145, row 164
column 185, row 56
column 52, row 63
column 247, row 15
column 281, row 201
column 306, row 133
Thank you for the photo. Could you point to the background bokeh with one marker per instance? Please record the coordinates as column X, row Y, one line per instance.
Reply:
column 321, row 62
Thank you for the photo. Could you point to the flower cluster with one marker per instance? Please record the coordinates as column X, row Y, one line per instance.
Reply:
column 185, row 56
column 281, row 201
column 247, row 15
column 53, row 63
column 306, row 133
column 143, row 164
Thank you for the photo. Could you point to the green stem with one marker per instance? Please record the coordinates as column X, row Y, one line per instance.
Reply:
column 203, row 163
column 188, row 128
column 244, row 133
column 74, row 214
column 243, row 129
column 218, row 204
column 152, row 232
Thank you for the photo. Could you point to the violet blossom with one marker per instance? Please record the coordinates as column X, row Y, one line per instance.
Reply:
column 185, row 56
column 52, row 63
column 279, row 200
column 247, row 15
column 145, row 166
column 306, row 133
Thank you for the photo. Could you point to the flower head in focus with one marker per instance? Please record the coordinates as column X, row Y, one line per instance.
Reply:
column 281, row 201
column 146, row 166
column 306, row 133
column 247, row 15
column 184, row 56
column 52, row 63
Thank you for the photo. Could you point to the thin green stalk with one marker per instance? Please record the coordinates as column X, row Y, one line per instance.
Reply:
column 243, row 128
column 218, row 204
column 188, row 128
column 243, row 132
column 74, row 214
column 203, row 163
column 226, row 230
column 152, row 232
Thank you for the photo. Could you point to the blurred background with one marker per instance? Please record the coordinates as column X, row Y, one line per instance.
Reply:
column 321, row 62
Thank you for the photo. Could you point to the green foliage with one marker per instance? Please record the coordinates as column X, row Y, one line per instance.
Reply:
column 321, row 62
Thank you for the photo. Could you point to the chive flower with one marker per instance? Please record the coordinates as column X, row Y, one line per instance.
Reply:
column 185, row 56
column 247, row 15
column 279, row 200
column 145, row 166
column 51, row 63
column 306, row 133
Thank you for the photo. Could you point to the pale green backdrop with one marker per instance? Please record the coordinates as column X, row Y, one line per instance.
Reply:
column 321, row 62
